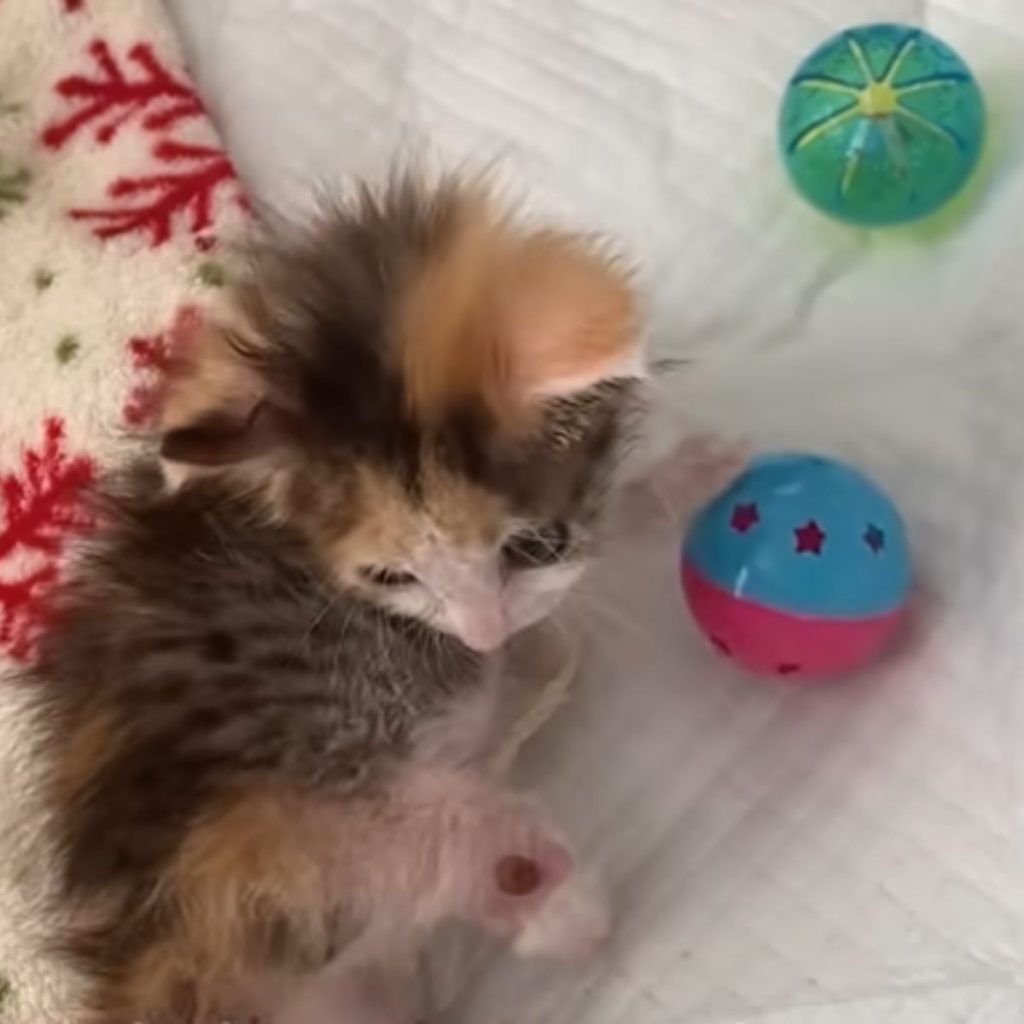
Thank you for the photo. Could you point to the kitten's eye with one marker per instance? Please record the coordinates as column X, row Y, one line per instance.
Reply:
column 381, row 577
column 539, row 546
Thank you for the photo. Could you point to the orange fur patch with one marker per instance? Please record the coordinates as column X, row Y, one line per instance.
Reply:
column 265, row 852
column 158, row 987
column 505, row 316
column 250, row 891
column 449, row 349
column 390, row 525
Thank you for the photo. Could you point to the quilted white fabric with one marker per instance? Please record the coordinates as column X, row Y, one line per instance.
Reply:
column 840, row 854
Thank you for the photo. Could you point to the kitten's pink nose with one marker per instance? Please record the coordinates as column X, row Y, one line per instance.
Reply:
column 482, row 632
column 471, row 589
column 483, row 639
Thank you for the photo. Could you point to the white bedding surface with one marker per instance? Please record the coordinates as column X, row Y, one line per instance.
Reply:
column 821, row 856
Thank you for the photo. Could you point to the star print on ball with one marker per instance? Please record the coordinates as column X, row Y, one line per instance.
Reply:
column 809, row 538
column 881, row 124
column 798, row 569
column 874, row 537
column 744, row 517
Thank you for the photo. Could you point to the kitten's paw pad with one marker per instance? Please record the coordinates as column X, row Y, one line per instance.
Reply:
column 518, row 876
column 571, row 924
column 522, row 882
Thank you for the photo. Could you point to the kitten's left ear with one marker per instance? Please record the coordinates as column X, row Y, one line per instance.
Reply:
column 566, row 319
column 513, row 319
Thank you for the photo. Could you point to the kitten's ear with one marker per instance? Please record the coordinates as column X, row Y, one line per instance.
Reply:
column 515, row 319
column 226, row 437
column 566, row 319
column 217, row 412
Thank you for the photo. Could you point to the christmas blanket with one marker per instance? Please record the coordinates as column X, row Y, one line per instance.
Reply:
column 115, row 201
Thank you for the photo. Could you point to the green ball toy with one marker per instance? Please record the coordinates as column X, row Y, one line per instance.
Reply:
column 881, row 125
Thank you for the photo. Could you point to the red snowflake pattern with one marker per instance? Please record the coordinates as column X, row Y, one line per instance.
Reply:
column 188, row 187
column 151, row 359
column 41, row 510
column 111, row 98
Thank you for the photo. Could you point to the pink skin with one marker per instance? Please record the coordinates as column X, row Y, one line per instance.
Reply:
column 446, row 845
column 345, row 994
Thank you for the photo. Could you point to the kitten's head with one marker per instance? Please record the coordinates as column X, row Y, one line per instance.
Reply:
column 433, row 395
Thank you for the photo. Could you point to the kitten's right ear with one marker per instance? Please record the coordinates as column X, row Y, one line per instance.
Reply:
column 217, row 412
column 222, row 438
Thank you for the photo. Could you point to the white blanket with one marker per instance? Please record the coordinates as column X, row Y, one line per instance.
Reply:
column 830, row 855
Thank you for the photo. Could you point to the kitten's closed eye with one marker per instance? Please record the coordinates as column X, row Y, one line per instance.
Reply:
column 538, row 546
column 382, row 577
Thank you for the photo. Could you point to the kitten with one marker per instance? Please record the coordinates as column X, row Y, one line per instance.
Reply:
column 268, row 703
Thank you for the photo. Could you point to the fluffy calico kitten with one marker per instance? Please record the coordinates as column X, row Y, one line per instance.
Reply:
column 266, row 707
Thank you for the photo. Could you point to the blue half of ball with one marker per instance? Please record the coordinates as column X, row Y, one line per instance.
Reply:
column 882, row 124
column 806, row 535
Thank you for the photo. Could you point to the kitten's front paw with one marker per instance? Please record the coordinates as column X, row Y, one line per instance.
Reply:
column 691, row 473
column 696, row 468
column 571, row 924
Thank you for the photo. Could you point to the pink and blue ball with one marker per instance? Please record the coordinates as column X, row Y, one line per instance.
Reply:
column 799, row 568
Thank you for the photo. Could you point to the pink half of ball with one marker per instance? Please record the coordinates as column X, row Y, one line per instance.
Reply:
column 769, row 642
